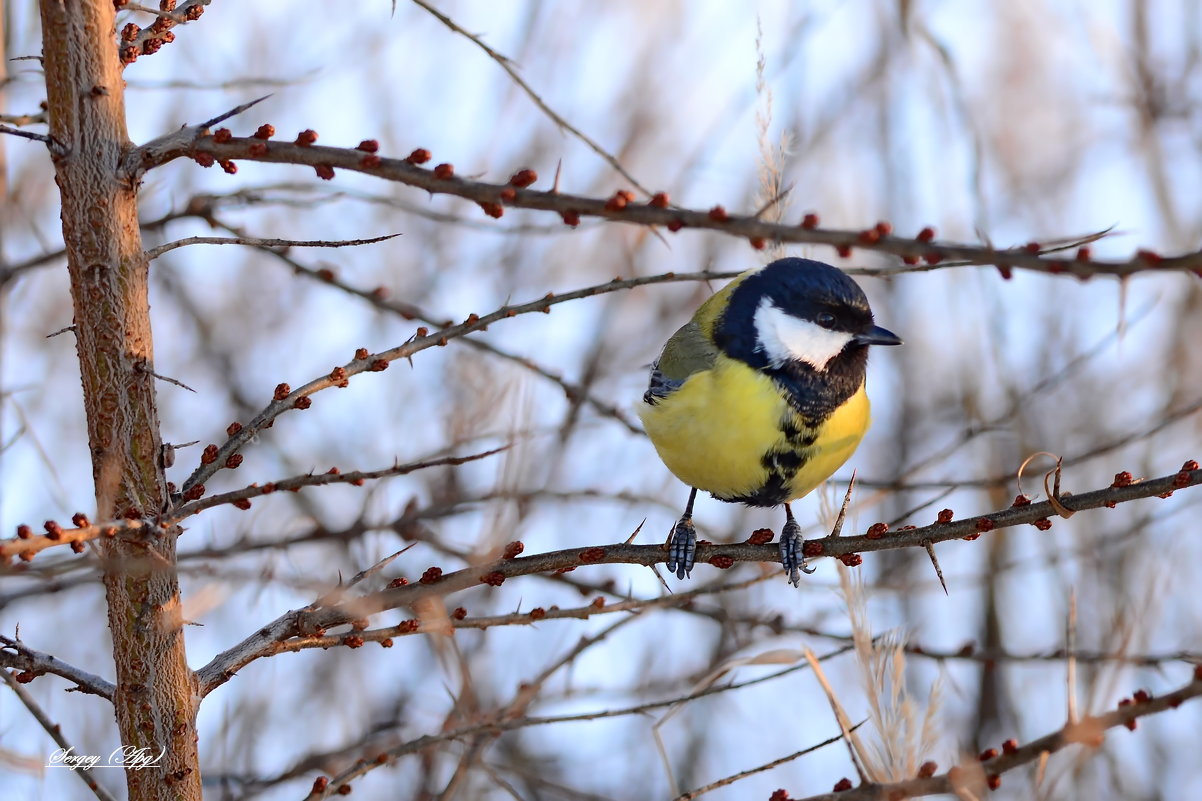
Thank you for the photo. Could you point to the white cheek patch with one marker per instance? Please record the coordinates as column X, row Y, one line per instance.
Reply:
column 786, row 338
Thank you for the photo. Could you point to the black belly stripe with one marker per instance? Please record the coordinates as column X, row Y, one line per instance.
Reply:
column 781, row 464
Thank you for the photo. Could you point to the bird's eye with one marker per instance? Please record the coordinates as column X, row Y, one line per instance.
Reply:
column 825, row 319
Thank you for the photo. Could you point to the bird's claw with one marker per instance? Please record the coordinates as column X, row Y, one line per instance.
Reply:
column 792, row 556
column 682, row 548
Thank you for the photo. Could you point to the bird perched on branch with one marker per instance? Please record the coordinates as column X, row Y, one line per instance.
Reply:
column 760, row 397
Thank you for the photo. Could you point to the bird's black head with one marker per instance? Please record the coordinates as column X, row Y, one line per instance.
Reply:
column 802, row 318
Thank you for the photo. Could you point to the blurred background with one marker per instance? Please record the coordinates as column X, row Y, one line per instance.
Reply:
column 1039, row 120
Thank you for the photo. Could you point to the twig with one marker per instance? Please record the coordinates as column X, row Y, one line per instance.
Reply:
column 55, row 731
column 15, row 654
column 37, row 137
column 144, row 369
column 154, row 253
column 1089, row 731
column 24, row 119
column 506, row 65
column 496, row 726
column 705, row 788
column 380, row 360
column 319, row 479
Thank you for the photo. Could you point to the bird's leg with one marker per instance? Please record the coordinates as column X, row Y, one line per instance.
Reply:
column 682, row 547
column 791, row 555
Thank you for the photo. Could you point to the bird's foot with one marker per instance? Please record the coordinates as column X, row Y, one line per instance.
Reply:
column 792, row 555
column 682, row 548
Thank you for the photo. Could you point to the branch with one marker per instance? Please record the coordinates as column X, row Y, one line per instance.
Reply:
column 378, row 298
column 154, row 253
column 55, row 731
column 975, row 777
column 288, row 398
column 18, row 656
column 494, row 724
column 314, row 480
column 25, row 545
column 39, row 118
column 312, row 621
column 495, row 197
column 37, row 137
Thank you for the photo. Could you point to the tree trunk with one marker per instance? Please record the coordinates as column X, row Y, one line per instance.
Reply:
column 156, row 698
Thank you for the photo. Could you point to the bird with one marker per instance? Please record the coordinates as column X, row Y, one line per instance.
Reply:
column 760, row 397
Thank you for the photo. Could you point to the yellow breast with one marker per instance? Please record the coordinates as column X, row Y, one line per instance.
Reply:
column 714, row 431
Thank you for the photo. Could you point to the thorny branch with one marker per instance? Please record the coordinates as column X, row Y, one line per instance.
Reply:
column 25, row 544
column 975, row 777
column 313, row 620
column 190, row 142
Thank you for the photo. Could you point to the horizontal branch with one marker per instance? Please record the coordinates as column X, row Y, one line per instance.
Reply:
column 248, row 241
column 26, row 544
column 37, row 137
column 191, row 142
column 314, row 620
column 354, row 477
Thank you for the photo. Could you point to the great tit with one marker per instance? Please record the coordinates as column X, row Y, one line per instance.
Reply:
column 760, row 397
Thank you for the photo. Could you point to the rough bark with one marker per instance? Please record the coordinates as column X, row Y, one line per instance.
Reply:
column 155, row 699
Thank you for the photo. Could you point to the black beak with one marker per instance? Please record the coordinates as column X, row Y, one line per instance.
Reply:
column 877, row 336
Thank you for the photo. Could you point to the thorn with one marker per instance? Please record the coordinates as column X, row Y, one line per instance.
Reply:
column 378, row 566
column 655, row 570
column 144, row 369
column 635, row 533
column 935, row 562
column 843, row 509
column 231, row 112
column 555, row 183
column 1054, row 493
column 61, row 331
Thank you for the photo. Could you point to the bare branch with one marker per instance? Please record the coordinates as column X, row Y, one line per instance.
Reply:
column 18, row 656
column 574, row 207
column 507, row 65
column 316, row 480
column 37, row 137
column 55, row 731
column 705, row 788
column 154, row 253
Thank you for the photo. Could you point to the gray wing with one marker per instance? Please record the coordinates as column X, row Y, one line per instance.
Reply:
column 688, row 351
